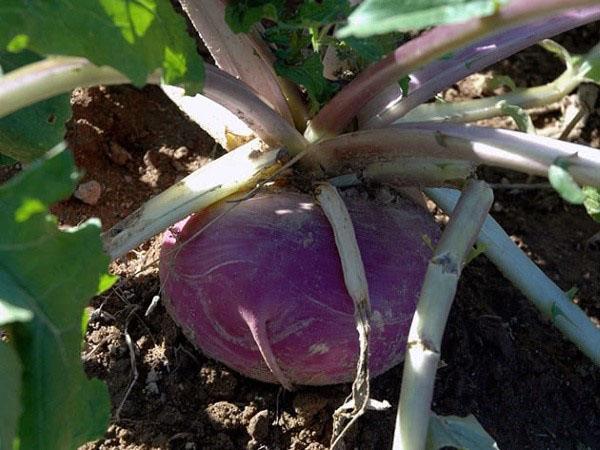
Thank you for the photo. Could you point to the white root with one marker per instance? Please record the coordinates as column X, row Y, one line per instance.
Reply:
column 356, row 283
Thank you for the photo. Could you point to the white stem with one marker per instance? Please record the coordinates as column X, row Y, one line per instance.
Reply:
column 419, row 171
column 427, row 328
column 501, row 148
column 223, row 126
column 531, row 281
column 237, row 170
column 355, row 279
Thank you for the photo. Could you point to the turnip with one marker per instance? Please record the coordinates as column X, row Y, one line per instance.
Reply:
column 263, row 291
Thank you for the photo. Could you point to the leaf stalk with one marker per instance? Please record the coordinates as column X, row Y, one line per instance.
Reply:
column 427, row 328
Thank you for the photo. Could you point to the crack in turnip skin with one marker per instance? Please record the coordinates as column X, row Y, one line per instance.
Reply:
column 263, row 292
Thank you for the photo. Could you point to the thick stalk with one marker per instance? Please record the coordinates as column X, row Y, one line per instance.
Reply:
column 486, row 108
column 514, row 264
column 338, row 113
column 490, row 146
column 427, row 328
column 239, row 99
column 438, row 75
column 223, row 126
column 53, row 76
column 56, row 75
column 235, row 53
column 237, row 170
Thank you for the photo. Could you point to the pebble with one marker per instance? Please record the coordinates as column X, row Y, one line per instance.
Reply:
column 223, row 416
column 89, row 192
column 181, row 152
column 118, row 154
column 258, row 427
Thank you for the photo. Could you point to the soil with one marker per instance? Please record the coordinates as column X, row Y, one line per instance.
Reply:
column 502, row 362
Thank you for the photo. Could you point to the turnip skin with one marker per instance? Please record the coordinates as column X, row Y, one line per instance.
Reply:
column 262, row 290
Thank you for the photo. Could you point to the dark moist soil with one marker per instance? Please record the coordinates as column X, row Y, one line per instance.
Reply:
column 502, row 361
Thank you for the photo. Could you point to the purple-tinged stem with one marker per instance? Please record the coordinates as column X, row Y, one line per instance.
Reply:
column 237, row 97
column 235, row 53
column 56, row 75
column 436, row 76
column 491, row 146
column 436, row 43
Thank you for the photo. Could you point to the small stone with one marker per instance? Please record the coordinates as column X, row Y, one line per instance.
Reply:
column 89, row 192
column 258, row 427
column 253, row 445
column 224, row 416
column 181, row 152
column 151, row 382
column 118, row 154
column 248, row 413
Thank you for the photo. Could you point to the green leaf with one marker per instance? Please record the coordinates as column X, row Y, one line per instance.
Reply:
column 404, row 85
column 373, row 48
column 51, row 273
column 312, row 13
column 571, row 293
column 241, row 15
column 563, row 183
column 309, row 74
column 501, row 80
column 589, row 64
column 592, row 202
column 519, row 115
column 6, row 160
column 591, row 70
column 382, row 16
column 557, row 50
column 458, row 432
column 28, row 133
column 10, row 393
column 135, row 37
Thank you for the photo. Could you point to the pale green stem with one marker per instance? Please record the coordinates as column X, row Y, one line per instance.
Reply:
column 53, row 76
column 427, row 328
column 531, row 281
column 237, row 170
column 56, row 75
column 486, row 108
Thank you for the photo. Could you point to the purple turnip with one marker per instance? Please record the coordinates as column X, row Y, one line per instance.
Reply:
column 263, row 292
